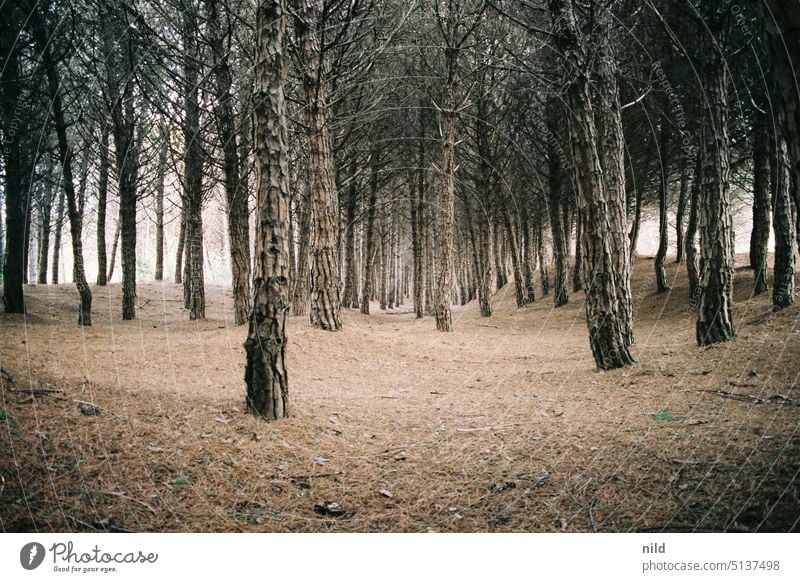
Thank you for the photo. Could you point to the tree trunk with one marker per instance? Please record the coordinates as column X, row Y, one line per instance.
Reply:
column 692, row 262
column 120, row 69
column 637, row 220
column 544, row 275
column 683, row 196
column 759, row 236
column 350, row 293
column 57, row 240
column 577, row 282
column 179, row 253
column 527, row 256
column 369, row 253
column 265, row 372
column 661, row 254
column 783, row 224
column 715, row 313
column 42, row 38
column 499, row 264
column 235, row 191
column 45, row 217
column 325, row 300
column 161, row 175
column 556, row 162
column 193, row 171
column 102, row 196
column 446, row 198
column 607, row 331
column 300, row 293
column 612, row 160
column 417, row 208
column 519, row 285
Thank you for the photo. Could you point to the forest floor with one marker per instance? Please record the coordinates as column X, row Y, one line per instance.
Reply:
column 503, row 425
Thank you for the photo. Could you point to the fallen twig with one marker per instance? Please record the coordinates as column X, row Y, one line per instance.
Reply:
column 733, row 396
column 123, row 496
column 36, row 391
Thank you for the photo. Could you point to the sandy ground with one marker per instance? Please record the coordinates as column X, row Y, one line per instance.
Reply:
column 503, row 425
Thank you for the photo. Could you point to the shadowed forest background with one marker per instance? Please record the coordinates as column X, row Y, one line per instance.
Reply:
column 364, row 265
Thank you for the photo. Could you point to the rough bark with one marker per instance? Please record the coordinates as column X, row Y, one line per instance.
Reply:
column 759, row 235
column 265, row 373
column 324, row 285
column 607, row 336
column 446, row 193
column 715, row 312
column 612, row 160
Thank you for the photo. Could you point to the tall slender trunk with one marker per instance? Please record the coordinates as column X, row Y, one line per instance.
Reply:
column 692, row 261
column 715, row 313
column 607, row 330
column 526, row 257
column 417, row 197
column 120, row 70
column 544, row 274
column 637, row 220
column 369, row 253
column 513, row 244
column 235, row 193
column 54, row 272
column 325, row 284
column 180, row 252
column 446, row 198
column 45, row 217
column 661, row 254
column 350, row 293
column 556, row 160
column 161, row 175
column 300, row 292
column 783, row 290
column 102, row 198
column 680, row 214
column 577, row 282
column 759, row 236
column 74, row 211
column 194, row 283
column 265, row 372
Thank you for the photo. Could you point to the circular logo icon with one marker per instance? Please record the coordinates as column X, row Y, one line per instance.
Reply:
column 31, row 555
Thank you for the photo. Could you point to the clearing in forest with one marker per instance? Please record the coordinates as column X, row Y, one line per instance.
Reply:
column 503, row 425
